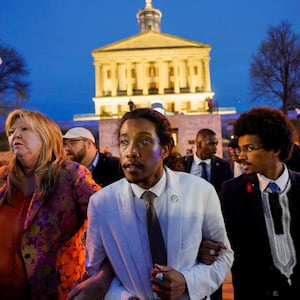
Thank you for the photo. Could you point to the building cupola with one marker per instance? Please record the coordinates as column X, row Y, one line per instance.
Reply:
column 149, row 18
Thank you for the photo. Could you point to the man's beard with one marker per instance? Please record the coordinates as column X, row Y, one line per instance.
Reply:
column 80, row 155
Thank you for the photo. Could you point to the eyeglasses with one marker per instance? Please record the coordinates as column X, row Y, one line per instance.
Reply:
column 72, row 142
column 247, row 149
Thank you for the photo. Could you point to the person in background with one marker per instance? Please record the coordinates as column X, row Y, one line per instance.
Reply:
column 106, row 151
column 188, row 210
column 262, row 209
column 217, row 169
column 80, row 146
column 174, row 161
column 43, row 208
column 189, row 151
column 293, row 162
column 234, row 162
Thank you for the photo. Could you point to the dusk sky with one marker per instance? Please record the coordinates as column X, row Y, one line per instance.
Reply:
column 56, row 38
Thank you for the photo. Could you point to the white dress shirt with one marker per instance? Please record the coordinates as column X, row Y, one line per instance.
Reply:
column 237, row 169
column 282, row 246
column 196, row 168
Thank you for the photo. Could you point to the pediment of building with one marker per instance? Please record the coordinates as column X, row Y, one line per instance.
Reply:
column 151, row 40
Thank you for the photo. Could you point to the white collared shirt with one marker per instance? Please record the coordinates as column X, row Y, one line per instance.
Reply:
column 94, row 163
column 237, row 169
column 196, row 169
column 282, row 245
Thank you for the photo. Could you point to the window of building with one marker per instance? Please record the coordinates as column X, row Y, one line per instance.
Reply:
column 171, row 71
column 152, row 72
column 195, row 70
column 133, row 73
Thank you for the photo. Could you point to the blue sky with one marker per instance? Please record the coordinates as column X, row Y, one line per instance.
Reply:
column 56, row 38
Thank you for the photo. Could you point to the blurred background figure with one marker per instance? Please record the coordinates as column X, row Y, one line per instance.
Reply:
column 80, row 146
column 43, row 207
column 293, row 163
column 189, row 151
column 174, row 161
column 106, row 151
column 234, row 161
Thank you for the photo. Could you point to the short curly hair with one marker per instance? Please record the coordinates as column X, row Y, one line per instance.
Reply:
column 161, row 123
column 271, row 125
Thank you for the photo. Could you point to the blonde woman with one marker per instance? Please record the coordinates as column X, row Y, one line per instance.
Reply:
column 43, row 205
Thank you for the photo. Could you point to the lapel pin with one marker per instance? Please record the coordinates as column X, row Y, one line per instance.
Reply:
column 174, row 198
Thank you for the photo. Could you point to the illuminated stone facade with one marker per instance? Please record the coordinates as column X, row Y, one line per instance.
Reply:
column 152, row 66
column 153, row 69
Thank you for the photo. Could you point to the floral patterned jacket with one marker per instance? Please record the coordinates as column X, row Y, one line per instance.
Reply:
column 52, row 243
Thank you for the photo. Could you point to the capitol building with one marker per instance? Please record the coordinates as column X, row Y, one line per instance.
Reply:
column 158, row 70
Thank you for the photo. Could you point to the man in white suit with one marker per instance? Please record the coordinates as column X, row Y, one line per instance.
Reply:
column 188, row 210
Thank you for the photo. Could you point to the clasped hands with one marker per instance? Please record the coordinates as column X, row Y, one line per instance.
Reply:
column 170, row 286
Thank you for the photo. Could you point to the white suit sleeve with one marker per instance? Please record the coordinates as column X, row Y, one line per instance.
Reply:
column 202, row 280
column 95, row 253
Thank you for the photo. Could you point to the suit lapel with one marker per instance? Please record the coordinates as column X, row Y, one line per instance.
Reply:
column 34, row 207
column 213, row 171
column 253, row 199
column 174, row 224
column 294, row 206
column 255, row 213
column 3, row 189
column 188, row 163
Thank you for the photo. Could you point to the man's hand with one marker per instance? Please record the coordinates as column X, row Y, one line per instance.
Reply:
column 173, row 283
column 93, row 287
column 209, row 251
column 88, row 289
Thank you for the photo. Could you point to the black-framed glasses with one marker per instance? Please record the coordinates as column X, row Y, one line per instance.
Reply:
column 247, row 149
column 72, row 142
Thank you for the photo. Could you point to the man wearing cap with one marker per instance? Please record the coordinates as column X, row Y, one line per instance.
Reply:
column 80, row 146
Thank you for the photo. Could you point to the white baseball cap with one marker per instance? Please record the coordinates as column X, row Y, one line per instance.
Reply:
column 79, row 132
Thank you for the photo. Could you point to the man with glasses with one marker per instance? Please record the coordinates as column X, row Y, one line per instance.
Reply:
column 80, row 146
column 262, row 209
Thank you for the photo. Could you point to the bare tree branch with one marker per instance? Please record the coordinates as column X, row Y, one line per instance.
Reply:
column 275, row 68
column 13, row 86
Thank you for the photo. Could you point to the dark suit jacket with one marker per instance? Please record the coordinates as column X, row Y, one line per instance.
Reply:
column 220, row 170
column 254, row 275
column 107, row 170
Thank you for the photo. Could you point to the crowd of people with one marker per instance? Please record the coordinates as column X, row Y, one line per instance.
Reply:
column 149, row 223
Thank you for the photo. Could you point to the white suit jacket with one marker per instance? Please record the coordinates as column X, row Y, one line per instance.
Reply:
column 194, row 214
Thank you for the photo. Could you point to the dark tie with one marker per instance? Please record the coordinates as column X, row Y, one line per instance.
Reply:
column 157, row 244
column 204, row 170
column 275, row 207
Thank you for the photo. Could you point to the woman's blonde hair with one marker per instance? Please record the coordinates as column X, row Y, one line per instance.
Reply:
column 52, row 153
